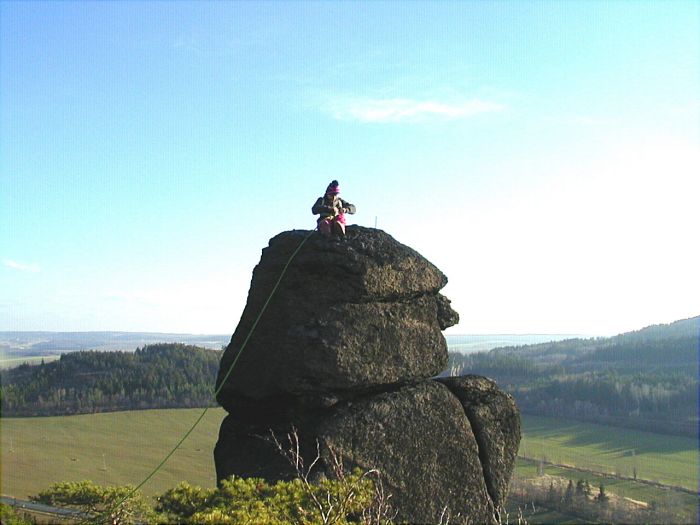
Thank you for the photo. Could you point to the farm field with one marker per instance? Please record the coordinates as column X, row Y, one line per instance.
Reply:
column 684, row 504
column 526, row 469
column 12, row 362
column 123, row 447
column 671, row 460
column 115, row 448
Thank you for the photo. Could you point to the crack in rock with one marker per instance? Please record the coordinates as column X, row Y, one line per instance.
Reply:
column 495, row 421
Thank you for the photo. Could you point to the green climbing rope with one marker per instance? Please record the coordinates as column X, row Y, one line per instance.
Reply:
column 223, row 381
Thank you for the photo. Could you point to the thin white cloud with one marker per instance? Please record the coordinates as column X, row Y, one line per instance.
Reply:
column 373, row 110
column 22, row 267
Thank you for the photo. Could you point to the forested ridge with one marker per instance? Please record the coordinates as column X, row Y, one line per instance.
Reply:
column 646, row 379
column 155, row 376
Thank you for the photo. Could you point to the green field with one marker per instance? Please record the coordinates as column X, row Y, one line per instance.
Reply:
column 12, row 362
column 110, row 449
column 668, row 459
column 629, row 489
column 683, row 503
column 671, row 460
column 123, row 447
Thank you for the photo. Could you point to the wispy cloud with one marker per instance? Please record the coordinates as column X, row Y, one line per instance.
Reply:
column 22, row 267
column 375, row 110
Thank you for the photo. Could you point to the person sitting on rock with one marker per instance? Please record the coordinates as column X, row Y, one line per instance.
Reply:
column 332, row 210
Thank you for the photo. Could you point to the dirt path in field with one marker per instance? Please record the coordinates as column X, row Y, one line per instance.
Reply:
column 611, row 476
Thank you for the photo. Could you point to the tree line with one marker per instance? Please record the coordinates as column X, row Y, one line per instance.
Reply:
column 155, row 376
column 648, row 384
column 582, row 501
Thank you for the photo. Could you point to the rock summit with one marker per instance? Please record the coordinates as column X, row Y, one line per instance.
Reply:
column 346, row 352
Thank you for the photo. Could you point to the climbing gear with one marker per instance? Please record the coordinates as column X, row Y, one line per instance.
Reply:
column 221, row 385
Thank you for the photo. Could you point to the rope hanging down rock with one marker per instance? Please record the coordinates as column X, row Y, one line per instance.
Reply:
column 99, row 518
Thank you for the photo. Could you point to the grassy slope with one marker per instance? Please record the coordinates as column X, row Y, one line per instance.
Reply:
column 606, row 449
column 684, row 504
column 37, row 452
column 668, row 459
column 12, row 362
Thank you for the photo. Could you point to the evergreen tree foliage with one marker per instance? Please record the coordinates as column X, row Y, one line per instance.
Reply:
column 602, row 498
column 645, row 380
column 114, row 505
column 237, row 500
column 569, row 495
column 156, row 376
column 8, row 516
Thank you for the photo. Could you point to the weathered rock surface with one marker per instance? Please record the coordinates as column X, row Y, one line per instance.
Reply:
column 495, row 420
column 424, row 446
column 418, row 437
column 344, row 354
column 347, row 315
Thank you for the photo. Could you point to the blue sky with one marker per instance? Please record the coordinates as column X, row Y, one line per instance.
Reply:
column 544, row 155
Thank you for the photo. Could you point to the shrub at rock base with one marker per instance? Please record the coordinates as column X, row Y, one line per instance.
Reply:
column 352, row 499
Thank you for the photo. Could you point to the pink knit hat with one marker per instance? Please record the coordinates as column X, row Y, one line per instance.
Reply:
column 333, row 188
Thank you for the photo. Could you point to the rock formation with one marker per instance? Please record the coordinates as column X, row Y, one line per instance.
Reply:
column 345, row 353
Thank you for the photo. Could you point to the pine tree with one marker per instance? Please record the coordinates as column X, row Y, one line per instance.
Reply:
column 552, row 496
column 602, row 498
column 569, row 495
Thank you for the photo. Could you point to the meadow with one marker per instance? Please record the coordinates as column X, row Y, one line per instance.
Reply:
column 608, row 452
column 684, row 505
column 124, row 447
column 115, row 448
column 12, row 362
column 671, row 460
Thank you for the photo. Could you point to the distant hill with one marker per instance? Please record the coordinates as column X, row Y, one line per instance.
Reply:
column 17, row 345
column 668, row 346
column 683, row 328
column 644, row 379
column 479, row 343
column 156, row 376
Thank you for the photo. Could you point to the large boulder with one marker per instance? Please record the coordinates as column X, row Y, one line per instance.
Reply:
column 352, row 314
column 495, row 420
column 418, row 437
column 344, row 355
column 422, row 444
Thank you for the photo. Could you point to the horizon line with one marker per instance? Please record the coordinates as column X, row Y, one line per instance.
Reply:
column 228, row 333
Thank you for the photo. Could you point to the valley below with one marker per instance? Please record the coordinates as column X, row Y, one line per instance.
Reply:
column 122, row 448
column 614, row 416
